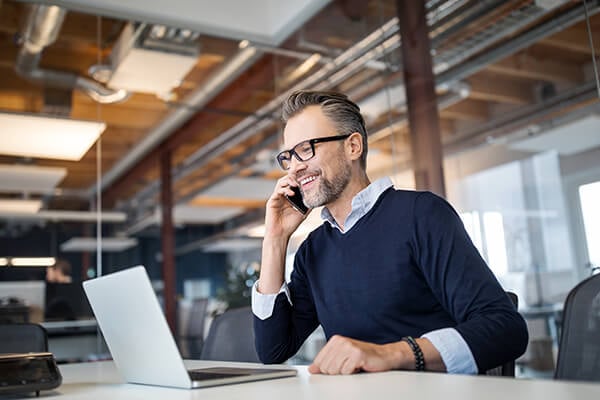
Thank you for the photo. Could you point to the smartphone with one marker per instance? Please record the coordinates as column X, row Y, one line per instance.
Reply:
column 296, row 200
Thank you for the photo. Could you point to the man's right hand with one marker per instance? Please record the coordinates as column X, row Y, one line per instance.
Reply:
column 281, row 219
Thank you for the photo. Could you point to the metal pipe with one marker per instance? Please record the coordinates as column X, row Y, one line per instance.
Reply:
column 41, row 30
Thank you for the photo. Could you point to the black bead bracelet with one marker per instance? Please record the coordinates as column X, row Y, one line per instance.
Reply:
column 419, row 359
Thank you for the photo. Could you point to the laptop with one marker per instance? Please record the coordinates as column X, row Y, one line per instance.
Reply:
column 141, row 343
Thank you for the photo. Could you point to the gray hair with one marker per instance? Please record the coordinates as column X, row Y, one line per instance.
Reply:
column 344, row 113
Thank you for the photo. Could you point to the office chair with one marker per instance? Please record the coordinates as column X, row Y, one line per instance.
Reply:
column 579, row 350
column 508, row 368
column 231, row 337
column 23, row 338
column 192, row 340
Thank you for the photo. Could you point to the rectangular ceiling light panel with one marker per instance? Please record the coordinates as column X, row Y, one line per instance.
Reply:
column 242, row 188
column 18, row 206
column 29, row 135
column 30, row 178
column 107, row 244
column 150, row 71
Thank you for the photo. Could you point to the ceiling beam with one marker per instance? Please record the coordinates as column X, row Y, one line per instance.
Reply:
column 527, row 66
column 494, row 88
column 117, row 115
column 226, row 202
column 467, row 110
column 574, row 39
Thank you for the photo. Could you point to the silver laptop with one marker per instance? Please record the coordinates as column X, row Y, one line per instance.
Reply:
column 141, row 343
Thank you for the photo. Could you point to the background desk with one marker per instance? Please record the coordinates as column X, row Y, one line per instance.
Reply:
column 100, row 380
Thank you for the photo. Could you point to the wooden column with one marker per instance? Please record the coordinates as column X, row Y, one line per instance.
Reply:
column 167, row 234
column 421, row 98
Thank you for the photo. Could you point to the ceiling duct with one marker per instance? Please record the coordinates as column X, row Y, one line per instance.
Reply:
column 152, row 58
column 41, row 30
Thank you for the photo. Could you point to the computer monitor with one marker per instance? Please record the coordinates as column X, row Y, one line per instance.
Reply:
column 66, row 301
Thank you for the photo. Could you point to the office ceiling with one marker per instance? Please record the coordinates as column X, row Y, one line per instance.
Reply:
column 504, row 69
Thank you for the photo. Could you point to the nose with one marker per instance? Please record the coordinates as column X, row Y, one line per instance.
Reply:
column 295, row 166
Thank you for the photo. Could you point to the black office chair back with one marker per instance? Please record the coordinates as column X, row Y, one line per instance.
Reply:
column 579, row 350
column 507, row 369
column 193, row 337
column 231, row 337
column 23, row 338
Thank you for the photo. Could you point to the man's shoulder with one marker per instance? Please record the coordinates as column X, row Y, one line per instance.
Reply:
column 420, row 196
column 405, row 196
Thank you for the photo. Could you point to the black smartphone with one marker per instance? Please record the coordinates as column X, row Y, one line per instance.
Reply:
column 296, row 200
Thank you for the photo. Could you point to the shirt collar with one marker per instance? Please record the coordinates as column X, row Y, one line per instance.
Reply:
column 361, row 204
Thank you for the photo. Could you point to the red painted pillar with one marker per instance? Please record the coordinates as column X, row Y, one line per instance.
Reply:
column 421, row 98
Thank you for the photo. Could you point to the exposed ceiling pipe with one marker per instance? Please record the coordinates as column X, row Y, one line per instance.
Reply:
column 41, row 30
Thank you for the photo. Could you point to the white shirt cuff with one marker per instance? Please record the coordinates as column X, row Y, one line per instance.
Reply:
column 454, row 350
column 263, row 304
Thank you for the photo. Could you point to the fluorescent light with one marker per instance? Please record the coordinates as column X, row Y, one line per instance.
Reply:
column 232, row 245
column 3, row 261
column 107, row 244
column 65, row 215
column 32, row 261
column 19, row 206
column 162, row 71
column 31, row 135
column 30, row 178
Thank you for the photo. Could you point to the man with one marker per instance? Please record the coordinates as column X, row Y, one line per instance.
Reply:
column 59, row 272
column 391, row 275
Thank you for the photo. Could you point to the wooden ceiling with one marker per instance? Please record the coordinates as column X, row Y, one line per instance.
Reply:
column 501, row 83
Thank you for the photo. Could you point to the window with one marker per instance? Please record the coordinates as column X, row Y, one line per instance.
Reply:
column 589, row 196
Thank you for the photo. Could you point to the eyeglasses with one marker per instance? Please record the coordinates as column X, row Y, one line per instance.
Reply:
column 304, row 151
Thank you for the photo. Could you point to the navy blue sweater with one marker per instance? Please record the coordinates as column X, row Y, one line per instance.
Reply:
column 406, row 268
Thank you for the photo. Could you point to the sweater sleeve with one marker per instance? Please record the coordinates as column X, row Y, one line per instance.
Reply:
column 464, row 285
column 279, row 336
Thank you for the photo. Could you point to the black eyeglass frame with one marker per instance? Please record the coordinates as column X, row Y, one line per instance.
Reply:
column 292, row 152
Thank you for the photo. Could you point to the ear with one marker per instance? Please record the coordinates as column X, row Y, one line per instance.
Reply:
column 354, row 146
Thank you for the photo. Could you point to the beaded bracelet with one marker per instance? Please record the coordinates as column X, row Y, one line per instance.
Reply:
column 419, row 359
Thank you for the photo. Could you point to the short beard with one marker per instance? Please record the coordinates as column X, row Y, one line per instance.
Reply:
column 330, row 190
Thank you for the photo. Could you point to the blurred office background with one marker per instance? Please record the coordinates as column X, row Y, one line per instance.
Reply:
column 174, row 123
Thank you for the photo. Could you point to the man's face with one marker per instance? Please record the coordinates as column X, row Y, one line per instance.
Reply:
column 324, row 177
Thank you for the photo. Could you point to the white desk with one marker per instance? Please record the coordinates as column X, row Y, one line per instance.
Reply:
column 100, row 381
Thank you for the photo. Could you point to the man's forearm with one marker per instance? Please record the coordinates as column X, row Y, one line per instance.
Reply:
column 405, row 359
column 273, row 265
